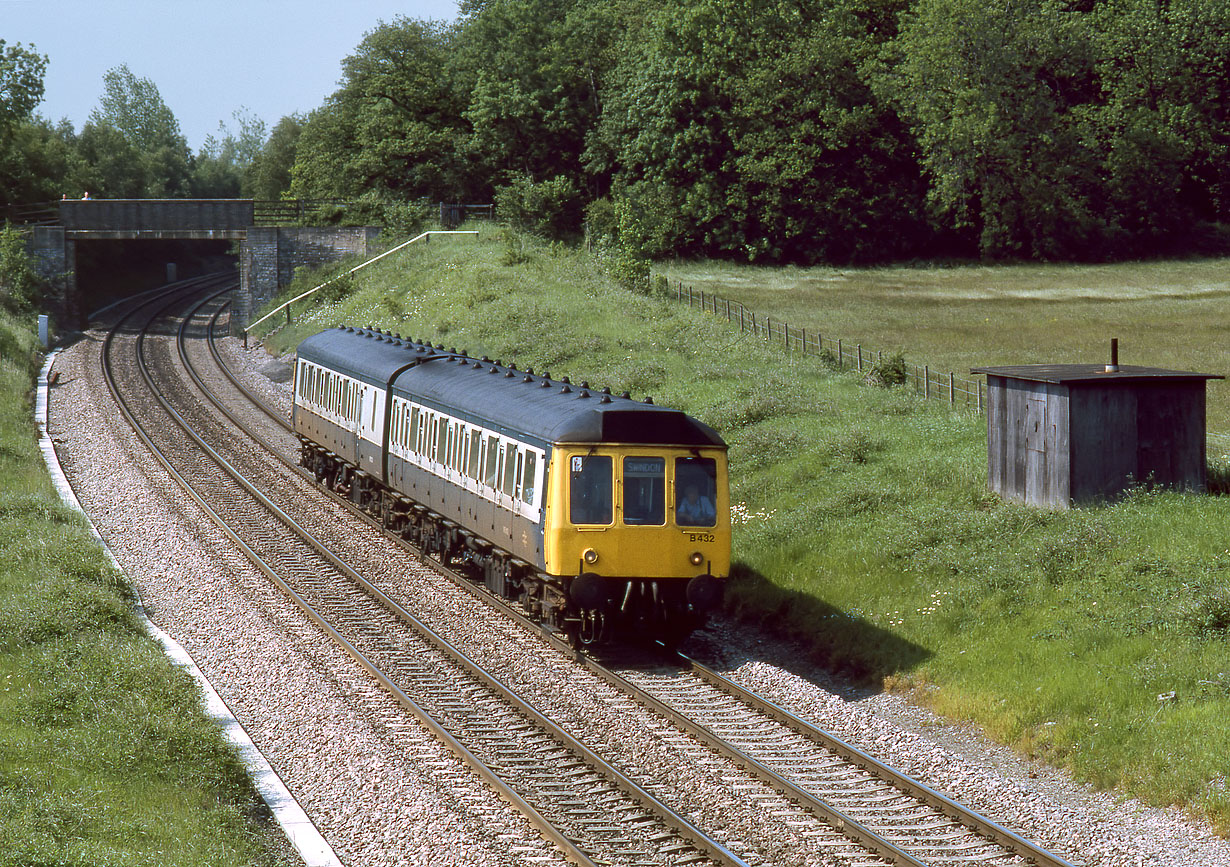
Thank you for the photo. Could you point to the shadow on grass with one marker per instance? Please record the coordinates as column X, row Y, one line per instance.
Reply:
column 802, row 633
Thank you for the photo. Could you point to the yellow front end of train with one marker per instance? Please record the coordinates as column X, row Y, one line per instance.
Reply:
column 638, row 514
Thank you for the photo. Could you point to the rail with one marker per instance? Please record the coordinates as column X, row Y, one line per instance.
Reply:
column 932, row 384
column 425, row 237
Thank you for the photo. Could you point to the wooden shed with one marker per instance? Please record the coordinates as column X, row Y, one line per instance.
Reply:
column 1068, row 434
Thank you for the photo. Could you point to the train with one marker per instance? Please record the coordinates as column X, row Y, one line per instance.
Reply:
column 605, row 517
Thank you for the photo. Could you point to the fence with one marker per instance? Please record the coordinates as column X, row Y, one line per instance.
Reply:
column 932, row 384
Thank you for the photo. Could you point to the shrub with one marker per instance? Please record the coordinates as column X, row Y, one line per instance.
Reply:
column 20, row 286
column 550, row 209
column 888, row 371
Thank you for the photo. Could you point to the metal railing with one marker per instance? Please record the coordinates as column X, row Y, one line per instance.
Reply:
column 932, row 384
column 425, row 237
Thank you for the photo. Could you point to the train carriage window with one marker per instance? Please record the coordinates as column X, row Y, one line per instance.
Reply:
column 520, row 468
column 476, row 448
column 589, row 489
column 413, row 437
column 450, row 444
column 695, row 492
column 644, row 492
column 493, row 457
column 529, row 484
column 511, row 458
column 459, row 430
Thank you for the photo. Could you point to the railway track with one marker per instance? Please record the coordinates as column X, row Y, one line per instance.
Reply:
column 586, row 807
column 866, row 813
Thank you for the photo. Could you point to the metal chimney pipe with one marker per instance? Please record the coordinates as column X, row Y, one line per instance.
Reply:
column 1113, row 367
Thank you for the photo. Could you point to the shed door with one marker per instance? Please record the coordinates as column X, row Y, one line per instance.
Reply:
column 1036, row 492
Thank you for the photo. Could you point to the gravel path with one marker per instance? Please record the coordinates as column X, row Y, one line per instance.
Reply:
column 388, row 794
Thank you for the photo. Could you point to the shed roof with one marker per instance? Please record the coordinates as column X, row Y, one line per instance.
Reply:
column 1068, row 373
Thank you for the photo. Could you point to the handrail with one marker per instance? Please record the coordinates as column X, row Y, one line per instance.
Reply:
column 286, row 306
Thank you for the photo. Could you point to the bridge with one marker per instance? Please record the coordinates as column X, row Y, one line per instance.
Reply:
column 269, row 250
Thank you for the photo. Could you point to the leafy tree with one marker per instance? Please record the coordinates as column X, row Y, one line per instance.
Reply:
column 534, row 71
column 996, row 92
column 269, row 176
column 395, row 125
column 21, row 83
column 134, row 109
column 1162, row 126
column 755, row 124
column 222, row 167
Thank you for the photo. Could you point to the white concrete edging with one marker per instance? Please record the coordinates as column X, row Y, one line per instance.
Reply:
column 303, row 835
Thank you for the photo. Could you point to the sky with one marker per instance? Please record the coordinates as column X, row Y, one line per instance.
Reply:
column 208, row 58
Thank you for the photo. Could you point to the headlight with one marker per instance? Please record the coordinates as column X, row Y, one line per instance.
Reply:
column 590, row 556
column 697, row 558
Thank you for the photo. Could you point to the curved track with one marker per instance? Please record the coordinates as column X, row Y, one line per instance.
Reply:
column 889, row 817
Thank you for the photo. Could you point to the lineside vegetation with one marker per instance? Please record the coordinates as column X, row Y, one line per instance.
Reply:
column 106, row 756
column 1095, row 639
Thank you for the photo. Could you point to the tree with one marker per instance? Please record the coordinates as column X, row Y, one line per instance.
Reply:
column 134, row 109
column 21, row 83
column 394, row 128
column 269, row 176
column 751, row 129
column 221, row 170
column 997, row 94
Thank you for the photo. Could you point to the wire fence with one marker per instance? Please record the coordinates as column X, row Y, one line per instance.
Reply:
column 931, row 383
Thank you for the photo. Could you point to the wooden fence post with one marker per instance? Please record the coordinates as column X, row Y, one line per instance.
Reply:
column 952, row 389
column 926, row 381
column 860, row 357
column 840, row 358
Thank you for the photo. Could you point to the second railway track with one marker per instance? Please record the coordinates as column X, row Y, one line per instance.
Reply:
column 774, row 804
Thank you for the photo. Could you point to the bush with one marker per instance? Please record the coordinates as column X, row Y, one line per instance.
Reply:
column 888, row 371
column 550, row 209
column 20, row 286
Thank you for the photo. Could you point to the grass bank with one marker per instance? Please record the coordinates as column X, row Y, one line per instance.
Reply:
column 1094, row 638
column 1165, row 314
column 106, row 757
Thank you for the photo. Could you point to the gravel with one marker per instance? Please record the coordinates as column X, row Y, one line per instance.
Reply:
column 384, row 792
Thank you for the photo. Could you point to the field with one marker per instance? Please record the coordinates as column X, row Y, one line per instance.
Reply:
column 1093, row 638
column 1165, row 314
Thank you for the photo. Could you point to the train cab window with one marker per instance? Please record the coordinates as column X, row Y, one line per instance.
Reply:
column 590, row 498
column 695, row 492
column 644, row 500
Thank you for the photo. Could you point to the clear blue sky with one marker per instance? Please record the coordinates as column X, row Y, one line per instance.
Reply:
column 207, row 57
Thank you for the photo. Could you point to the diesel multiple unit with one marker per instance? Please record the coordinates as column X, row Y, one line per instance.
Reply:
column 604, row 516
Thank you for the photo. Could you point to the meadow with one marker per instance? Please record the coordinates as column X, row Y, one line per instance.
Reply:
column 1173, row 314
column 106, row 756
column 1094, row 638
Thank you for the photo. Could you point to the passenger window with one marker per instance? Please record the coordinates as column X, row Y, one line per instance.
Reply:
column 493, row 457
column 509, row 486
column 644, row 490
column 476, row 442
column 529, row 478
column 695, row 492
column 590, row 499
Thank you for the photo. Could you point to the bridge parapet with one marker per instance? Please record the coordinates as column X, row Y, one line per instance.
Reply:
column 212, row 217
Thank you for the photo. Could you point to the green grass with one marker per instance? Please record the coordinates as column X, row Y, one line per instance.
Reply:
column 1165, row 314
column 863, row 527
column 106, row 757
